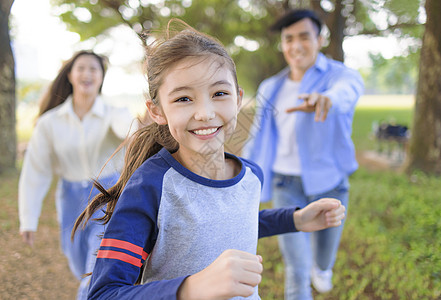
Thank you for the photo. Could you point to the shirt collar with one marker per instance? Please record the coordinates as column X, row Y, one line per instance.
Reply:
column 321, row 63
column 98, row 107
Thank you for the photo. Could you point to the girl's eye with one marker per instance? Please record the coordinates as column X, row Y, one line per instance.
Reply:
column 183, row 99
column 219, row 94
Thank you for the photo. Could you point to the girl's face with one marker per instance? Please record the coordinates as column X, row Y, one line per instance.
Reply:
column 199, row 102
column 86, row 75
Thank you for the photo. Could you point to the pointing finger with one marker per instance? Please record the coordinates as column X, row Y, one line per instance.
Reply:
column 301, row 107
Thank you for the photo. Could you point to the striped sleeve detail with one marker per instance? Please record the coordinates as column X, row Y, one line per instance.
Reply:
column 118, row 254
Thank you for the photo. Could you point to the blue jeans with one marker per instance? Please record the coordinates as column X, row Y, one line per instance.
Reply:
column 301, row 249
column 71, row 199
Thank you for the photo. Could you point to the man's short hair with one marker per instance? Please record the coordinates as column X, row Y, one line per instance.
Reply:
column 294, row 16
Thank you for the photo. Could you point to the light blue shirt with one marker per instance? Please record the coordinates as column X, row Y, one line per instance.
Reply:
column 326, row 151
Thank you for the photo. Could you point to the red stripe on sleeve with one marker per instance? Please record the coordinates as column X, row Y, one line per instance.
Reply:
column 124, row 245
column 120, row 256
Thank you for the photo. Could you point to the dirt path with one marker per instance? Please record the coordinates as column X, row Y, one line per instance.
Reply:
column 40, row 272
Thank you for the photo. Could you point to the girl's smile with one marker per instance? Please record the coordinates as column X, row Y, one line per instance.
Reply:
column 206, row 133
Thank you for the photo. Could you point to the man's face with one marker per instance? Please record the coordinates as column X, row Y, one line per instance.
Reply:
column 300, row 45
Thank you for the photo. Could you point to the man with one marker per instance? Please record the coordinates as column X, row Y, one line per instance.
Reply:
column 301, row 138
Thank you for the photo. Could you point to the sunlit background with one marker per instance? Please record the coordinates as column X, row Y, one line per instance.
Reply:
column 41, row 42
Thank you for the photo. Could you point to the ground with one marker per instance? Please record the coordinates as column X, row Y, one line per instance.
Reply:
column 42, row 272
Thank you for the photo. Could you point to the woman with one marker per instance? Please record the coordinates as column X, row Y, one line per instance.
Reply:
column 76, row 133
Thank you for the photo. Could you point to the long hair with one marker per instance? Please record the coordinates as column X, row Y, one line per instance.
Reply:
column 61, row 87
column 161, row 56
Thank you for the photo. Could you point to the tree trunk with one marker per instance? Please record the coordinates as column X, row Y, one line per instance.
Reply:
column 425, row 143
column 8, row 138
column 336, row 24
column 336, row 28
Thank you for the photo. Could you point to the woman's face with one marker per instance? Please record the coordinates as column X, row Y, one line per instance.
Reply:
column 86, row 75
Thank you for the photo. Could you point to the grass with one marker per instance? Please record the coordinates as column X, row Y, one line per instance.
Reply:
column 391, row 245
column 365, row 117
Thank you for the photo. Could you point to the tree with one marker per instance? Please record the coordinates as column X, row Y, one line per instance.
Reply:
column 8, row 137
column 425, row 143
column 241, row 25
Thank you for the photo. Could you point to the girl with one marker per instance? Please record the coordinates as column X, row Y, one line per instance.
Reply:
column 183, row 219
column 76, row 132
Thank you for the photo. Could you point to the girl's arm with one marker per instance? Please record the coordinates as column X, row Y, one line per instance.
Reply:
column 127, row 243
column 318, row 215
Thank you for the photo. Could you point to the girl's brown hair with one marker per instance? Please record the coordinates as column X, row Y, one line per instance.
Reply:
column 147, row 141
column 61, row 87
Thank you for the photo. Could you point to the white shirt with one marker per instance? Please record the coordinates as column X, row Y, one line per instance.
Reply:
column 287, row 160
column 73, row 149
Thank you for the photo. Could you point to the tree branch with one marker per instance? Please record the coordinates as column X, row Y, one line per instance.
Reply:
column 389, row 28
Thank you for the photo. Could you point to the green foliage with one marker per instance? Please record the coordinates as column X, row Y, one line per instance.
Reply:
column 390, row 247
column 229, row 19
column 397, row 75
column 392, row 237
column 405, row 9
column 87, row 18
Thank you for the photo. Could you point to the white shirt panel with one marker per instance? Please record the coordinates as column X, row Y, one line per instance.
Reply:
column 287, row 160
column 73, row 149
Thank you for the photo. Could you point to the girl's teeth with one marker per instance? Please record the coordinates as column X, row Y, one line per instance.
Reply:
column 205, row 131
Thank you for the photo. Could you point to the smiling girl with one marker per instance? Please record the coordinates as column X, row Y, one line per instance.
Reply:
column 184, row 220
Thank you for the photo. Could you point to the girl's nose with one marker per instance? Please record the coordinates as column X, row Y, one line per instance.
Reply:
column 205, row 111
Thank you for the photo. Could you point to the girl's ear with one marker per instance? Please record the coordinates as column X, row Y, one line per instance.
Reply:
column 239, row 98
column 156, row 113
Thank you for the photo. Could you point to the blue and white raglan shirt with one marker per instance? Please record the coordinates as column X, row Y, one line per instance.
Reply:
column 176, row 223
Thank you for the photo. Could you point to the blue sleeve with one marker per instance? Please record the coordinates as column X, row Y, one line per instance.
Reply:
column 276, row 221
column 345, row 88
column 254, row 168
column 127, row 242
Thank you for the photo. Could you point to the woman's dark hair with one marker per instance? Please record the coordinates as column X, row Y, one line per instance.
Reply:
column 61, row 87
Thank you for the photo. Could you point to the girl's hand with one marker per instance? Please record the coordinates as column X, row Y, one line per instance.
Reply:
column 28, row 237
column 234, row 273
column 320, row 214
